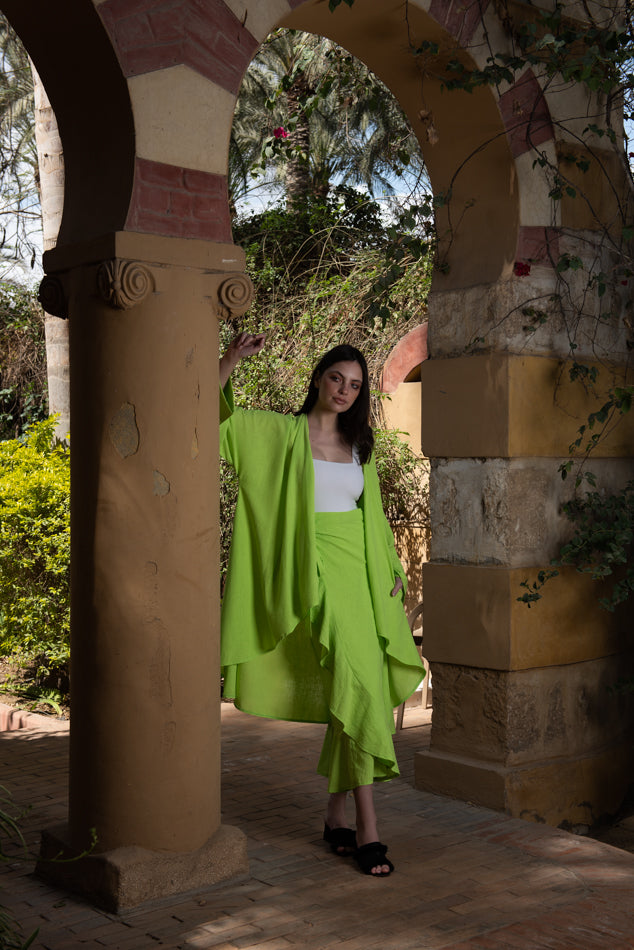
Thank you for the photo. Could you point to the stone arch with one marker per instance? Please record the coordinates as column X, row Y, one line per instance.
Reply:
column 89, row 94
column 410, row 351
column 471, row 158
column 146, row 263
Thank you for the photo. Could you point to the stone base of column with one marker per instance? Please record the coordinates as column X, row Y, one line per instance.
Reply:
column 555, row 793
column 127, row 877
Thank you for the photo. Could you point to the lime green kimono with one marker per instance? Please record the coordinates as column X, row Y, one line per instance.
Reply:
column 270, row 663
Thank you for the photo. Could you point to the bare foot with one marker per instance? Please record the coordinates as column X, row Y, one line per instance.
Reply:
column 371, row 859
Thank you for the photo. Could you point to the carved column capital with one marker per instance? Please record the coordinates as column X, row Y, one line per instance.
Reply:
column 235, row 294
column 52, row 296
column 124, row 284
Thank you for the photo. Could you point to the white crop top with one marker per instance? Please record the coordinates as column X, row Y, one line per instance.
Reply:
column 338, row 485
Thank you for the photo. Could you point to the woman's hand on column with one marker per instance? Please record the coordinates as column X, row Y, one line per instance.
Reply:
column 243, row 345
column 398, row 586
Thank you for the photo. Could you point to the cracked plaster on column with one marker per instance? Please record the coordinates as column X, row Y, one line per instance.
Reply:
column 505, row 511
column 123, row 431
column 160, row 483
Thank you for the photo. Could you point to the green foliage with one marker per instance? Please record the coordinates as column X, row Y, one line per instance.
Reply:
column 409, row 241
column 404, row 479
column 619, row 402
column 598, row 57
column 19, row 196
column 35, row 553
column 603, row 541
column 23, row 389
column 309, row 114
column 532, row 591
column 285, row 248
column 337, row 248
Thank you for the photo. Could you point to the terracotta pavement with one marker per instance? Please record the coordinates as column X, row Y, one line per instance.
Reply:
column 466, row 878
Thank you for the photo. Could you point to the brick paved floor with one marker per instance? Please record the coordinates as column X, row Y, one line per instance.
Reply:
column 466, row 878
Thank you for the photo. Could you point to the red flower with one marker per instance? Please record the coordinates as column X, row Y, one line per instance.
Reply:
column 280, row 133
column 522, row 269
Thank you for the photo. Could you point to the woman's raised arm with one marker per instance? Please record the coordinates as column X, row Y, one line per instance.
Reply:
column 244, row 344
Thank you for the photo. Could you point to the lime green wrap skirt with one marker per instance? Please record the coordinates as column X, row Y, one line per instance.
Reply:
column 334, row 667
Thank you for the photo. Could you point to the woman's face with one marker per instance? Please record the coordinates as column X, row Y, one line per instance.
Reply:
column 339, row 386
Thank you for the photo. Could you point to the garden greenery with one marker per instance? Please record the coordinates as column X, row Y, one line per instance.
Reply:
column 23, row 390
column 35, row 554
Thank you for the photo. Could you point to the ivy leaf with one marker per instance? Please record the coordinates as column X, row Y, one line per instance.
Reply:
column 569, row 262
column 565, row 469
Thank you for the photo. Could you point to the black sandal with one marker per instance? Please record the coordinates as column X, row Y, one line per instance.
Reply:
column 372, row 855
column 342, row 841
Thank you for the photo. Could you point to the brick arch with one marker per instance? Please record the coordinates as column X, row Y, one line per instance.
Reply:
column 179, row 198
column 123, row 42
column 118, row 180
column 410, row 351
column 88, row 92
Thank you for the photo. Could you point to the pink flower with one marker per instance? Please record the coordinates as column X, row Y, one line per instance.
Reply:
column 280, row 132
column 522, row 269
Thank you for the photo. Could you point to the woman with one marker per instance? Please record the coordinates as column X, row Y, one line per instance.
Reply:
column 313, row 628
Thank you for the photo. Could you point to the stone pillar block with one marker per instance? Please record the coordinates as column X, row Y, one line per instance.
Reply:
column 526, row 718
column 126, row 877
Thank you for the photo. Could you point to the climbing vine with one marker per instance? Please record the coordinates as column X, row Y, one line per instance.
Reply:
column 592, row 267
column 592, row 296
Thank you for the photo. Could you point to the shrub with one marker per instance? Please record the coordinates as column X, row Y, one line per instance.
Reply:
column 35, row 553
column 404, row 480
column 603, row 540
column 23, row 385
column 285, row 248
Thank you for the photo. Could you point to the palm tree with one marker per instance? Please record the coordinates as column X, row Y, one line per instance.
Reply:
column 308, row 114
column 32, row 194
column 51, row 193
column 19, row 205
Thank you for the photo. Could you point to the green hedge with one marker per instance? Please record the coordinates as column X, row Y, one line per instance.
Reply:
column 35, row 551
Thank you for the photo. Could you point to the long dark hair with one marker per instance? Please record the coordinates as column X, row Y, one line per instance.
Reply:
column 354, row 423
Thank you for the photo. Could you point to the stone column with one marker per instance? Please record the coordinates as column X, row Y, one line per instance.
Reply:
column 145, row 679
column 524, row 719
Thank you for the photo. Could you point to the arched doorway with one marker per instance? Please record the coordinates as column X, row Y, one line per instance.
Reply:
column 144, row 97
